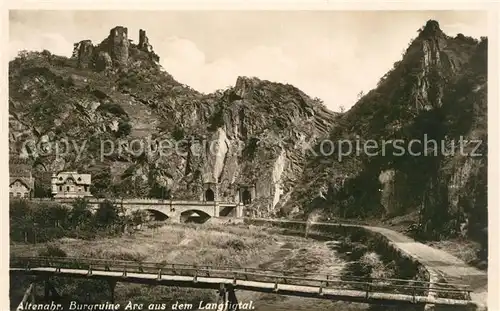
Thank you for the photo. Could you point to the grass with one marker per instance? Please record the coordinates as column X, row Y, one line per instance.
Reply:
column 205, row 244
column 211, row 244
column 244, row 246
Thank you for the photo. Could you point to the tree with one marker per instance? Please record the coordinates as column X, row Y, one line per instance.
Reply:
column 138, row 217
column 106, row 215
column 59, row 215
column 20, row 213
column 124, row 129
column 158, row 191
column 318, row 100
column 80, row 213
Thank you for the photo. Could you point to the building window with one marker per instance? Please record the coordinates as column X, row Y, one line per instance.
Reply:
column 60, row 188
column 67, row 188
column 26, row 194
column 86, row 188
column 79, row 189
column 11, row 194
column 18, row 194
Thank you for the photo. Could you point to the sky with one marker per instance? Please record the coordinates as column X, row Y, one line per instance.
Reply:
column 333, row 55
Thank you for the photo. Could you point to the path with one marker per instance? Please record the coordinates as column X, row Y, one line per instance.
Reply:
column 449, row 267
column 436, row 261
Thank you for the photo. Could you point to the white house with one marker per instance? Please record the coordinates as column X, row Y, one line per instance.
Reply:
column 70, row 185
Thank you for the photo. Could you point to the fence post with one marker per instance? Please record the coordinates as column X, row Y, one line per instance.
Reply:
column 112, row 285
column 414, row 294
column 90, row 270
column 33, row 293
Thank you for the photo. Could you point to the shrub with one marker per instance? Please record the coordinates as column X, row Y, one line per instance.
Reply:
column 52, row 251
column 124, row 129
column 235, row 244
column 128, row 256
column 113, row 109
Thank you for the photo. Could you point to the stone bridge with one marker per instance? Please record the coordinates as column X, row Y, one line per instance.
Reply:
column 174, row 210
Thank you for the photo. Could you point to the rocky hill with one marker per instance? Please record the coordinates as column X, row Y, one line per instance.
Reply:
column 436, row 92
column 108, row 95
column 118, row 109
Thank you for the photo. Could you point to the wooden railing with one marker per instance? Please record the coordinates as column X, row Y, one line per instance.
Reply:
column 370, row 285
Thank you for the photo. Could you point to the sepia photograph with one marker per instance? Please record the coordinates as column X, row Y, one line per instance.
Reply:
column 264, row 160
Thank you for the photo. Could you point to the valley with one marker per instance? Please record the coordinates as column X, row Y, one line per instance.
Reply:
column 113, row 159
column 213, row 245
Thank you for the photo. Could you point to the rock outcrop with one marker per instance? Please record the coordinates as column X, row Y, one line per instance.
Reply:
column 436, row 92
column 243, row 138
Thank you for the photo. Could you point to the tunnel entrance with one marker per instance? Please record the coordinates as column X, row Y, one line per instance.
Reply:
column 194, row 216
column 209, row 195
column 246, row 197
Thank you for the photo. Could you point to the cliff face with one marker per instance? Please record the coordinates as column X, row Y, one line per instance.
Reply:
column 117, row 108
column 140, row 133
column 436, row 95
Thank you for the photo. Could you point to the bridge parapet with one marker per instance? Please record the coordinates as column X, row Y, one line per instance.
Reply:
column 139, row 201
column 170, row 208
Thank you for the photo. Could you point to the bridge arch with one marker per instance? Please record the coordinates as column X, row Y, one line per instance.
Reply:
column 156, row 214
column 194, row 216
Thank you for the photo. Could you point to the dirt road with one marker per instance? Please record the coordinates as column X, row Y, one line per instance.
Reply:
column 447, row 266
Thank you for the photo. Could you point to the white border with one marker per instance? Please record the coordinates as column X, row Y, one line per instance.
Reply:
column 493, row 85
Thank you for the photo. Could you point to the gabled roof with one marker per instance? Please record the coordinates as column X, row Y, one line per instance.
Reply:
column 80, row 179
column 27, row 182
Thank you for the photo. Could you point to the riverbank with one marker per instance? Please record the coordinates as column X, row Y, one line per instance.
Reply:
column 345, row 253
column 434, row 265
